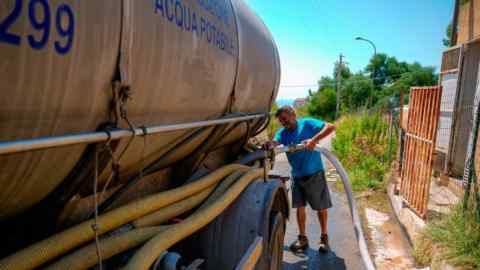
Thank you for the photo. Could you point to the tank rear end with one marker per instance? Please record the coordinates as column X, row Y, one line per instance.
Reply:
column 72, row 66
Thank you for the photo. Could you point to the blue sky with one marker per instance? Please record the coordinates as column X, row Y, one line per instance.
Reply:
column 311, row 34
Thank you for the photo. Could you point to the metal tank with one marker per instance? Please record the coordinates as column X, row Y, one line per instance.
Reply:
column 175, row 61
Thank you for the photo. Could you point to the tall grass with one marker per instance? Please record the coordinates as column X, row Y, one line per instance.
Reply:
column 457, row 237
column 361, row 144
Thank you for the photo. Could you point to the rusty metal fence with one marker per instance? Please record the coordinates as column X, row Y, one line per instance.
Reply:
column 420, row 138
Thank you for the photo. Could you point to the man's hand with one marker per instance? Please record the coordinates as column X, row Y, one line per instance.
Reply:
column 326, row 130
column 269, row 145
column 310, row 144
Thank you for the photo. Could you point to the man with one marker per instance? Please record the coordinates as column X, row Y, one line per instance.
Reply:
column 309, row 183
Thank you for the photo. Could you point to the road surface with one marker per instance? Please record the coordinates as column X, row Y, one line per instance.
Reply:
column 344, row 254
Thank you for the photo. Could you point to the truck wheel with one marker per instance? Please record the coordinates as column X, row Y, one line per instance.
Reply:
column 260, row 210
column 275, row 243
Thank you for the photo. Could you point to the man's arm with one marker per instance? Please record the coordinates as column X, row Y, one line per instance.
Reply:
column 326, row 130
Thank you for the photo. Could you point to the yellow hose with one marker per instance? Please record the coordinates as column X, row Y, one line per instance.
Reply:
column 172, row 211
column 50, row 248
column 179, row 208
column 87, row 256
column 222, row 188
column 147, row 255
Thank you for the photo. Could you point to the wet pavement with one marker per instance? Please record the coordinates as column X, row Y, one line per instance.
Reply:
column 391, row 249
column 344, row 252
column 387, row 242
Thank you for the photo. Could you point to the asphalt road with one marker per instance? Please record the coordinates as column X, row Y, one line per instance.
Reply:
column 344, row 253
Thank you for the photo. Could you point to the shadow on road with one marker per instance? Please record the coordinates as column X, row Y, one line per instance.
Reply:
column 311, row 259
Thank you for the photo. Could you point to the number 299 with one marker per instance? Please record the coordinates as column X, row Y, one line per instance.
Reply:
column 40, row 17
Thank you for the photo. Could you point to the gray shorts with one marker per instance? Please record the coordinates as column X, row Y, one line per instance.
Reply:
column 312, row 189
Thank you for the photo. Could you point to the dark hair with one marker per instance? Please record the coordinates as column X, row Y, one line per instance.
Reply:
column 285, row 108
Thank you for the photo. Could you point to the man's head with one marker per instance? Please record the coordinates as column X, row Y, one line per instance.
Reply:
column 287, row 117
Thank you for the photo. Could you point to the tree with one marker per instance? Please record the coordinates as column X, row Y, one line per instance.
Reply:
column 345, row 72
column 356, row 91
column 394, row 69
column 322, row 104
column 376, row 86
column 449, row 33
column 391, row 75
column 377, row 69
column 326, row 82
column 417, row 75
column 385, row 69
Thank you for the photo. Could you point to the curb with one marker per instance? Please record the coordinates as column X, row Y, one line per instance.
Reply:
column 412, row 225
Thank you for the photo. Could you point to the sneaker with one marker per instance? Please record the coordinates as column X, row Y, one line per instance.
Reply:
column 300, row 244
column 324, row 247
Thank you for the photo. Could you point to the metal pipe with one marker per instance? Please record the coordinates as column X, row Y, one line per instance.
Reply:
column 357, row 224
column 17, row 146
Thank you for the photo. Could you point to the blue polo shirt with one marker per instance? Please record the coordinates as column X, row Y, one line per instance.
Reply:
column 306, row 162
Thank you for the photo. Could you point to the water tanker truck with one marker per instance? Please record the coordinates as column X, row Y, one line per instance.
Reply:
column 123, row 136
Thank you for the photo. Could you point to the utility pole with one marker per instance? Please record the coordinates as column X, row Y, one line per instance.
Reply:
column 339, row 84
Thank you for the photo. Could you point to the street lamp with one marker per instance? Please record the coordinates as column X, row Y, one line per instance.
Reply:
column 371, row 43
column 374, row 55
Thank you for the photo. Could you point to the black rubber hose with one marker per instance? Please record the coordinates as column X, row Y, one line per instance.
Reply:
column 132, row 180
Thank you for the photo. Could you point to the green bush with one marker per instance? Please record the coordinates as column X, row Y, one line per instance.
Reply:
column 361, row 144
column 322, row 104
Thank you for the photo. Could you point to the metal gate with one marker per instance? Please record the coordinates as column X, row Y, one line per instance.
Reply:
column 450, row 74
column 420, row 140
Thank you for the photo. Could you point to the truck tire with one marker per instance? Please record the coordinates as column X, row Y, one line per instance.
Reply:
column 261, row 210
column 275, row 241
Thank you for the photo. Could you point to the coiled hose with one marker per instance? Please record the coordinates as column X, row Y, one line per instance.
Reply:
column 149, row 252
column 59, row 244
column 86, row 257
column 184, row 206
column 357, row 224
column 172, row 211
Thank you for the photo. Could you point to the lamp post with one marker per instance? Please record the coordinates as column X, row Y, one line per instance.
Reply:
column 374, row 55
column 371, row 43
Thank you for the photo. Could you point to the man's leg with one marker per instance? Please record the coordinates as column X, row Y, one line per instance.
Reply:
column 318, row 196
column 323, row 219
column 301, row 219
column 298, row 202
